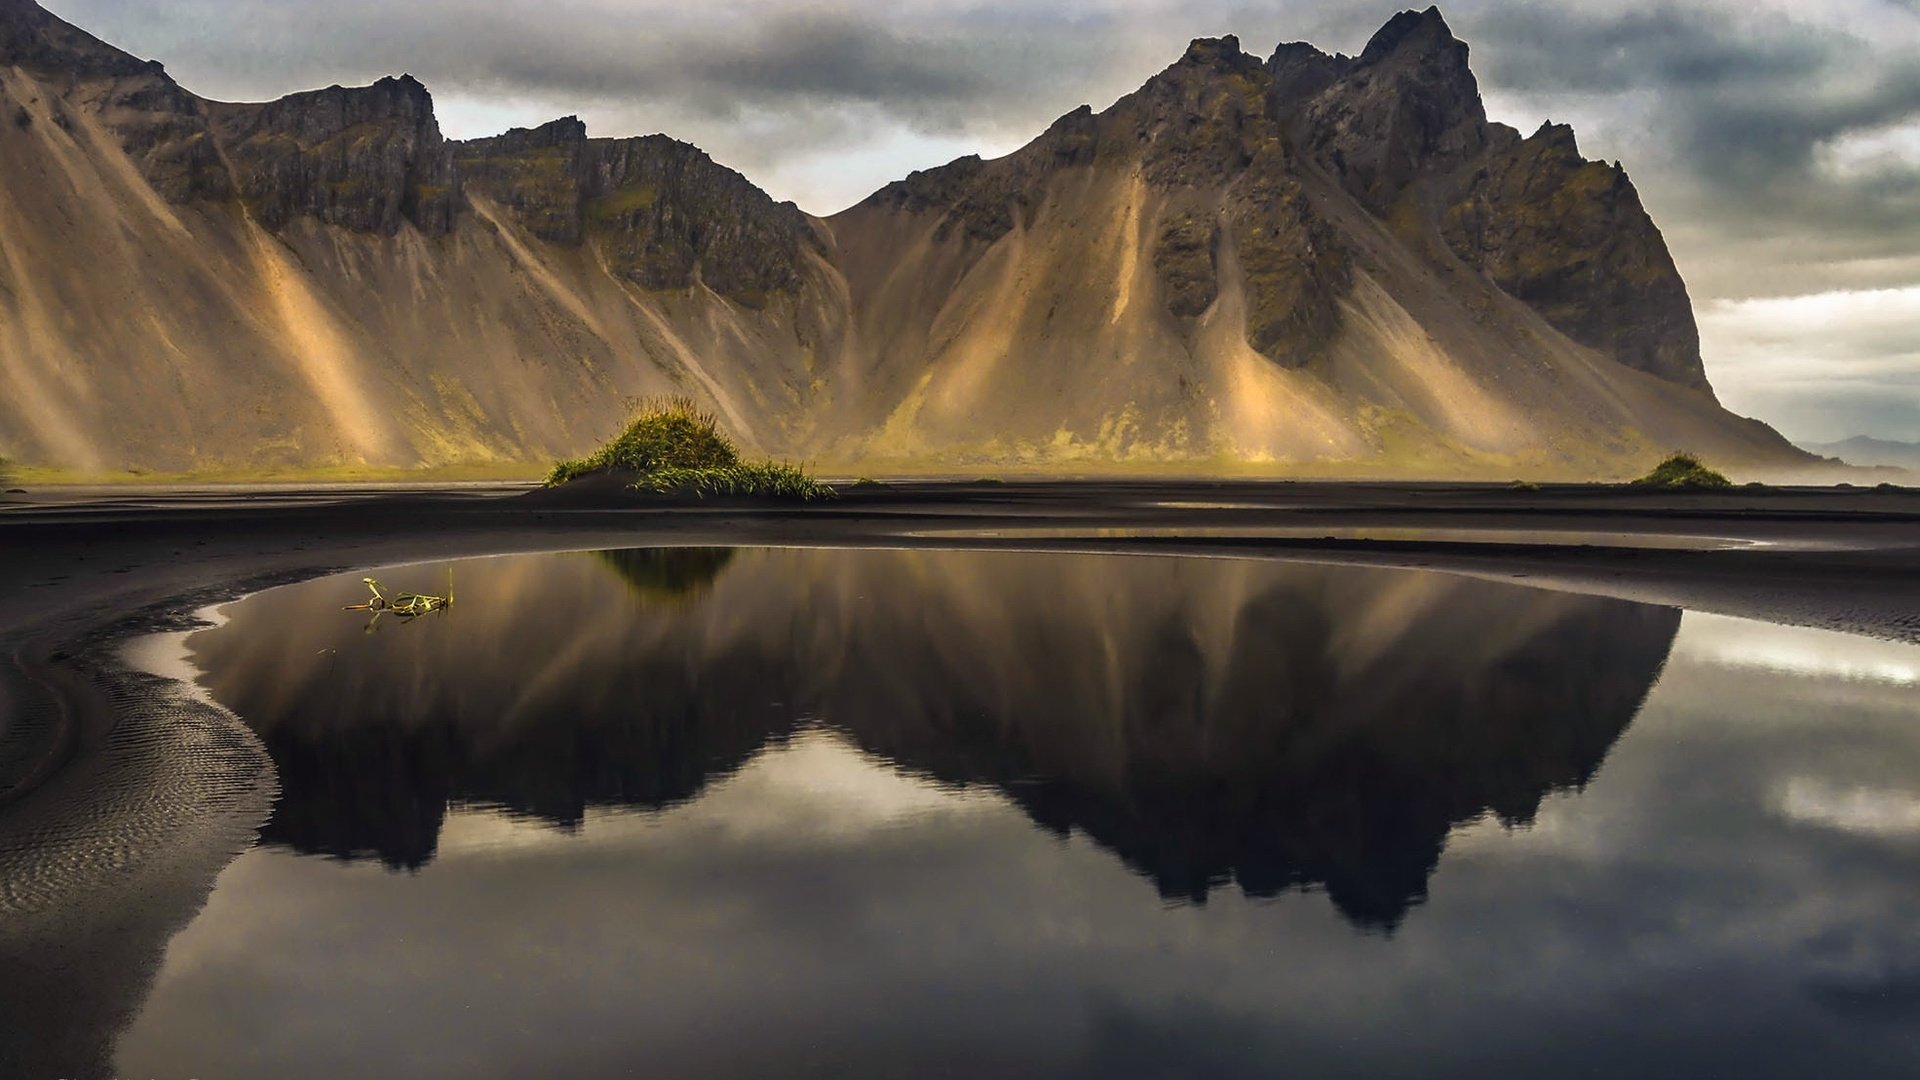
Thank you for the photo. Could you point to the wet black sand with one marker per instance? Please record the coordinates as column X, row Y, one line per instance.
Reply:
column 121, row 798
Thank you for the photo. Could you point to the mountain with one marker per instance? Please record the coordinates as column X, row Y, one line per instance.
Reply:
column 1868, row 451
column 1307, row 262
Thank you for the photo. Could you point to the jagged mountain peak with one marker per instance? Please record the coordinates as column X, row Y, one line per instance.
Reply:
column 1409, row 105
column 1218, row 53
column 1560, row 137
column 387, row 96
column 1421, row 31
column 564, row 129
column 1300, row 72
column 34, row 38
column 366, row 158
column 660, row 212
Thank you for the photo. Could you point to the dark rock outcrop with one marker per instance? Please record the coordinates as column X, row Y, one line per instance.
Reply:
column 1569, row 237
column 661, row 212
column 34, row 40
column 983, row 201
column 161, row 126
column 1185, row 258
column 1409, row 106
column 363, row 158
column 1300, row 72
column 538, row 173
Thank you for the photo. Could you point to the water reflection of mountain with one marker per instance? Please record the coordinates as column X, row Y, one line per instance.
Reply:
column 1211, row 722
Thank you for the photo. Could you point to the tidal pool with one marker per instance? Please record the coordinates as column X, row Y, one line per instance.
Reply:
column 715, row 813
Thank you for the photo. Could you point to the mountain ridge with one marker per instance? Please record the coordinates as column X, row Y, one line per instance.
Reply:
column 1304, row 263
column 1868, row 451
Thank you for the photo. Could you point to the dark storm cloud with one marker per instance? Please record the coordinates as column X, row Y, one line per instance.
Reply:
column 1744, row 114
column 937, row 68
column 1636, row 48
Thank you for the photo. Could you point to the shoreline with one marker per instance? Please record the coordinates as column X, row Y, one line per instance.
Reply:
column 75, row 566
column 123, row 795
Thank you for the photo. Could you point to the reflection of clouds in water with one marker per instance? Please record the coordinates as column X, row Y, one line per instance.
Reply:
column 819, row 788
column 1865, row 810
column 1734, row 642
column 813, row 790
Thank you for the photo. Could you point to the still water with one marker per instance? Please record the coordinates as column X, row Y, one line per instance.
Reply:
column 887, row 813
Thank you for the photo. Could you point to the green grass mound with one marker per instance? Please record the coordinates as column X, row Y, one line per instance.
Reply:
column 761, row 480
column 672, row 447
column 1684, row 472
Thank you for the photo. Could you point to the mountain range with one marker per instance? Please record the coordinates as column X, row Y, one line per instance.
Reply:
column 1867, row 451
column 1301, row 262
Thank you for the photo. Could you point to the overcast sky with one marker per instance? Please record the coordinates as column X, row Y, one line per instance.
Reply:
column 1777, row 143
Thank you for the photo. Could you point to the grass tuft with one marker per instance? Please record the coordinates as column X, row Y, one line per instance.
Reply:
column 1684, row 472
column 757, row 480
column 676, row 448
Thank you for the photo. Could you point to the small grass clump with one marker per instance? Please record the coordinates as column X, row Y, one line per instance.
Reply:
column 673, row 447
column 756, row 480
column 1684, row 472
column 671, row 433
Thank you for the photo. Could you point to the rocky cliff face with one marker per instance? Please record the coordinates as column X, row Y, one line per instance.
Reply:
column 662, row 213
column 1308, row 262
column 160, row 126
column 363, row 158
column 1407, row 109
column 1569, row 237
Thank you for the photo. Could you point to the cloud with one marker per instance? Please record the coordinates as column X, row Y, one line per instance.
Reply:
column 1752, row 129
column 1822, row 365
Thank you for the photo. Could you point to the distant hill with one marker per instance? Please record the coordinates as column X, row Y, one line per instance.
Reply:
column 1295, row 263
column 1865, row 450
